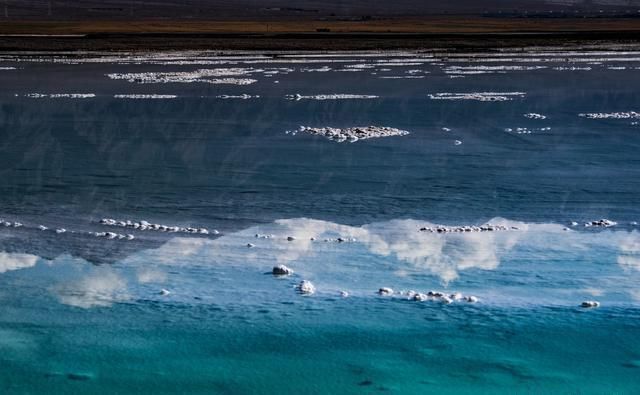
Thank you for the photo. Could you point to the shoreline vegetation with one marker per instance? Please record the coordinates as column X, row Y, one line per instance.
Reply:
column 451, row 33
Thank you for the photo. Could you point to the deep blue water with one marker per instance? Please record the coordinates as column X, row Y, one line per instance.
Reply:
column 84, row 314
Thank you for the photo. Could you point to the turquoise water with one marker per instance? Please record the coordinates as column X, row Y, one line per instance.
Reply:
column 196, row 312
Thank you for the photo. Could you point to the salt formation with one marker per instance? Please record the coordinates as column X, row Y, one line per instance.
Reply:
column 601, row 223
column 561, row 68
column 353, row 134
column 144, row 225
column 11, row 224
column 241, row 97
column 61, row 95
column 281, row 270
column 479, row 96
column 472, row 70
column 462, row 229
column 419, row 297
column 533, row 115
column 306, row 287
column 590, row 304
column 334, row 96
column 402, row 77
column 210, row 76
column 611, row 115
column 440, row 297
column 527, row 130
column 151, row 96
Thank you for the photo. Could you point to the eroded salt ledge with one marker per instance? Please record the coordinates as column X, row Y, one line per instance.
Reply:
column 352, row 134
column 478, row 96
column 332, row 96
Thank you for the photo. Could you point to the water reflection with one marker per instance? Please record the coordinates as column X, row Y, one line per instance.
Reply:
column 545, row 261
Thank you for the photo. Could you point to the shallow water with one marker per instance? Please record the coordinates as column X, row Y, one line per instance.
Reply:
column 188, row 142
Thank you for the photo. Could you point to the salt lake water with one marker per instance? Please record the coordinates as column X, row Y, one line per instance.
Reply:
column 146, row 197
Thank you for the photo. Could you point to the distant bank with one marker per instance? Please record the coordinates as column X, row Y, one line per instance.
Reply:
column 398, row 33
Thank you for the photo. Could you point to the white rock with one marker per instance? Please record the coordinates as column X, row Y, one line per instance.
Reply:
column 456, row 296
column 306, row 287
column 281, row 270
column 420, row 297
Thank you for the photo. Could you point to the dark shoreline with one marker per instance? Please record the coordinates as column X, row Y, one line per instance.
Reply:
column 311, row 41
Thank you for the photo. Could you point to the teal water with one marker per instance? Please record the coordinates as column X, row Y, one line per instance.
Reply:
column 81, row 313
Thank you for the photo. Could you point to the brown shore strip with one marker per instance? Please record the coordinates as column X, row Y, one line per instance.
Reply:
column 442, row 32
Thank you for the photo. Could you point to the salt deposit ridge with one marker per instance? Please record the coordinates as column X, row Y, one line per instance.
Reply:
column 352, row 134
column 333, row 96
column 612, row 115
column 478, row 96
